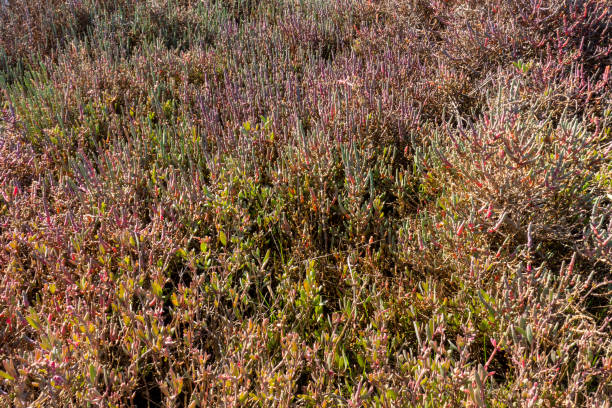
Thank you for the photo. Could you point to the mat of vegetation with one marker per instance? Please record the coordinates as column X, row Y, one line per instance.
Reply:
column 316, row 203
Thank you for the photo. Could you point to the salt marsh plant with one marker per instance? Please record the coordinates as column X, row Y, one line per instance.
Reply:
column 305, row 203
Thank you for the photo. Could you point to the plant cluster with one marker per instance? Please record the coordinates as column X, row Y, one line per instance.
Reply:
column 317, row 203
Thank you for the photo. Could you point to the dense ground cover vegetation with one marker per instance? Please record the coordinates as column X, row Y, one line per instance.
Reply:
column 305, row 203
